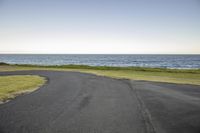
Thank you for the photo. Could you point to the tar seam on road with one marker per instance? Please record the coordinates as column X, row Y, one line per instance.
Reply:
column 145, row 113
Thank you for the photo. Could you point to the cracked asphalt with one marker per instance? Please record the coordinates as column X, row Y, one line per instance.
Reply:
column 73, row 102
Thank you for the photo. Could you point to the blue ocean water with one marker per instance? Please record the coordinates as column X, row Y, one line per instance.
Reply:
column 162, row 61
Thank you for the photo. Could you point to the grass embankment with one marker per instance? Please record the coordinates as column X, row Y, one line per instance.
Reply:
column 11, row 86
column 180, row 76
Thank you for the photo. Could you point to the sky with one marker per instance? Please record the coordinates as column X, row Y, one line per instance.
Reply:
column 100, row 26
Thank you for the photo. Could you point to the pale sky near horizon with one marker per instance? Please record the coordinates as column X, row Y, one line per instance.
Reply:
column 100, row 26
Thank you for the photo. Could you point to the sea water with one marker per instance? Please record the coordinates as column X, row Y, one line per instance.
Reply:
column 161, row 61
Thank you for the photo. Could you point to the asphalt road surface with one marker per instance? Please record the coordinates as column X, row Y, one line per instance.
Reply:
column 72, row 102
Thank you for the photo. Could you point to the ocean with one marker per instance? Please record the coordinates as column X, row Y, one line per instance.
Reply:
column 160, row 61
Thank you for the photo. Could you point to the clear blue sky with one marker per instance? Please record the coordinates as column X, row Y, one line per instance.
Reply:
column 100, row 26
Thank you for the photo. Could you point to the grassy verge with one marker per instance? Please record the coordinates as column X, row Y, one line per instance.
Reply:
column 10, row 86
column 180, row 76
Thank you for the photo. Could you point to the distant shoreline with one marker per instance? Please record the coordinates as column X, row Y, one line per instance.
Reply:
column 75, row 66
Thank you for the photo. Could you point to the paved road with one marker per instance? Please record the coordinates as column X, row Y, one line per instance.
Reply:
column 73, row 102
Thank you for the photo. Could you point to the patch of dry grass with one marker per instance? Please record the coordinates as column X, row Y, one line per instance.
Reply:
column 10, row 86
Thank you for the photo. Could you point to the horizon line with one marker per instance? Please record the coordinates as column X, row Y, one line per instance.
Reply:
column 103, row 53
